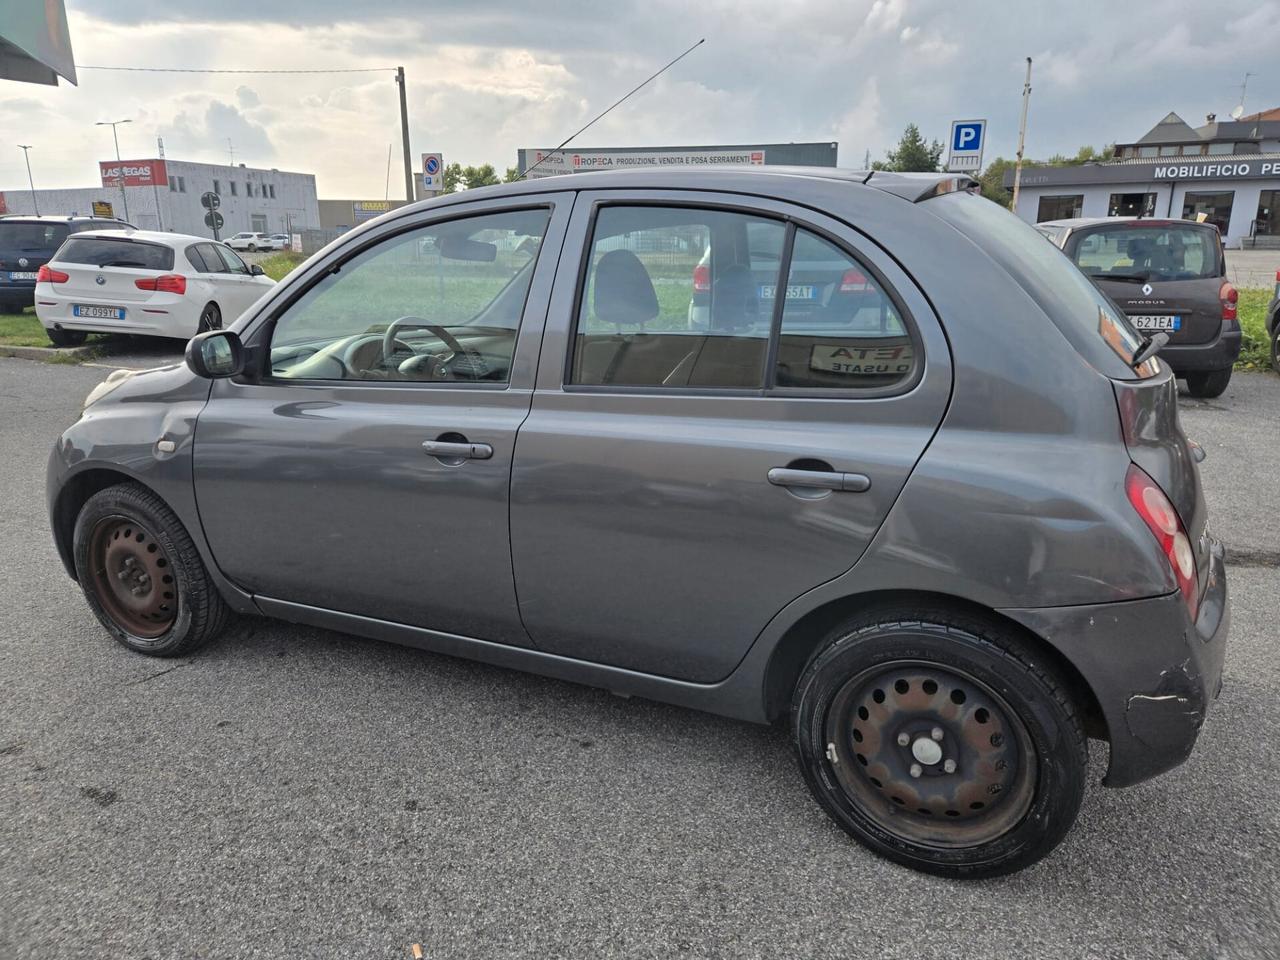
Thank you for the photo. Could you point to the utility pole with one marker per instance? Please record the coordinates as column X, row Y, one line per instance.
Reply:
column 119, row 163
column 155, row 190
column 404, row 135
column 1022, row 137
column 34, row 202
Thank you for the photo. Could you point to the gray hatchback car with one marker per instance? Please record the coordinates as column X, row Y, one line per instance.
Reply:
column 947, row 528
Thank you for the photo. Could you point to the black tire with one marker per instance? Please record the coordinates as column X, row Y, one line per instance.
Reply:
column 65, row 338
column 137, row 524
column 253, row 248
column 210, row 318
column 1036, row 759
column 1208, row 384
column 1275, row 349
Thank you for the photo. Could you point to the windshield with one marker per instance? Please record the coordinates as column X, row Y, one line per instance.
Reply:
column 1142, row 252
column 108, row 252
column 1087, row 317
column 31, row 237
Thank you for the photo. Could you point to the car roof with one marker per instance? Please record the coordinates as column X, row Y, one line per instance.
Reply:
column 55, row 218
column 913, row 187
column 1076, row 223
column 175, row 240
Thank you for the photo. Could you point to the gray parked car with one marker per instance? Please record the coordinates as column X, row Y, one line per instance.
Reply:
column 948, row 527
column 1168, row 276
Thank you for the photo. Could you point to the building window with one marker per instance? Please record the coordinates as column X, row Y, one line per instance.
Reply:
column 1170, row 151
column 1132, row 205
column 232, row 184
column 1268, row 219
column 173, row 184
column 217, row 188
column 248, row 189
column 272, row 188
column 1222, row 148
column 1060, row 208
column 1148, row 151
column 1213, row 208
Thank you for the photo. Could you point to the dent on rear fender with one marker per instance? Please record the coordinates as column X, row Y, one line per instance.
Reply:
column 1167, row 718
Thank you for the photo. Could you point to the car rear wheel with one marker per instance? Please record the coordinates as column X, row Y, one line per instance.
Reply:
column 1208, row 384
column 65, row 338
column 142, row 575
column 1275, row 350
column 940, row 743
column 210, row 318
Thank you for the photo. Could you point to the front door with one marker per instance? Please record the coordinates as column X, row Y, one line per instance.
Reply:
column 728, row 404
column 367, row 471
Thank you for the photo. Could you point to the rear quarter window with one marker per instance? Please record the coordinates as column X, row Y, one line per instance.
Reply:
column 105, row 252
column 1099, row 331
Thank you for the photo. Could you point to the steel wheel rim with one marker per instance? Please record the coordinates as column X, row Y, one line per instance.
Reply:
column 211, row 319
column 133, row 577
column 884, row 750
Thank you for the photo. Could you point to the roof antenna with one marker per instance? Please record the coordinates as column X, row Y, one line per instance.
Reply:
column 1238, row 112
column 551, row 154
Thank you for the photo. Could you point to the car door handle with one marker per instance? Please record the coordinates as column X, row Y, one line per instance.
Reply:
column 820, row 480
column 463, row 451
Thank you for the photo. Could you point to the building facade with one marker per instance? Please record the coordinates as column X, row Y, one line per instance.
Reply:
column 162, row 194
column 549, row 162
column 1225, row 173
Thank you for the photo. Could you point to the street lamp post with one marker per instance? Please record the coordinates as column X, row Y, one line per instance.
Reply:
column 34, row 202
column 112, row 124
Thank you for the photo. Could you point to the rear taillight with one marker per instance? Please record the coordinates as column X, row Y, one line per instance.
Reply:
column 1163, row 521
column 169, row 283
column 46, row 274
column 1229, row 296
column 701, row 278
column 853, row 282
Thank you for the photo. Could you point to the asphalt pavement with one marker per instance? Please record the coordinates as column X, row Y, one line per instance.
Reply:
column 290, row 792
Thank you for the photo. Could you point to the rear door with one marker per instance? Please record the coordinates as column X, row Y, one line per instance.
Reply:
column 236, row 283
column 1165, row 274
column 677, row 483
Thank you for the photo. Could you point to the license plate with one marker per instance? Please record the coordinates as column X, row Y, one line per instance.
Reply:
column 1156, row 322
column 24, row 275
column 795, row 291
column 97, row 313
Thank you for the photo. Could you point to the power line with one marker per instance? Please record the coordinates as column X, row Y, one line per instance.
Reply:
column 81, row 66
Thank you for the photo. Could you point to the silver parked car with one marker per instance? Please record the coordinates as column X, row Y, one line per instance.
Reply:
column 945, row 523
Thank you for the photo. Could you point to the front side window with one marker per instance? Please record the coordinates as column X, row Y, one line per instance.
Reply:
column 441, row 303
column 230, row 259
column 677, row 297
column 839, row 328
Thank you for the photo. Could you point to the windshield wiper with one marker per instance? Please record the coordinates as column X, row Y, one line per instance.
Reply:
column 1149, row 348
column 122, row 263
column 1123, row 277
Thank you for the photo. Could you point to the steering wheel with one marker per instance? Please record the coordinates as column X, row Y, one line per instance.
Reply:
column 449, row 340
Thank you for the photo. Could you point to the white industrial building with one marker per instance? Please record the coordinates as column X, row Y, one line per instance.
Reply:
column 1226, row 172
column 164, row 194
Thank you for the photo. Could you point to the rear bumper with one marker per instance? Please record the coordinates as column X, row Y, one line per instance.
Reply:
column 17, row 290
column 1153, row 671
column 1219, row 354
column 162, row 315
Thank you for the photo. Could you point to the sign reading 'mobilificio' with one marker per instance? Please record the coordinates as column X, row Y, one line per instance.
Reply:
column 1215, row 171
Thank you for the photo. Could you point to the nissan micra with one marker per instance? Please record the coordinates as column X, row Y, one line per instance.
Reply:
column 947, row 526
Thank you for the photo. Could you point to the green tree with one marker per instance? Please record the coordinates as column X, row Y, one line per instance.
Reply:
column 453, row 178
column 482, row 176
column 512, row 175
column 912, row 154
column 992, row 180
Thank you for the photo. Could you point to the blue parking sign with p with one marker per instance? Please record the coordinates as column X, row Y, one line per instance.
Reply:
column 966, row 138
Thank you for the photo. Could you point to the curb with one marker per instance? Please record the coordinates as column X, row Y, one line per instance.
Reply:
column 50, row 354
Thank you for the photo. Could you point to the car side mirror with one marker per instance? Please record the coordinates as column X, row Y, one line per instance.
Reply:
column 215, row 355
column 256, row 270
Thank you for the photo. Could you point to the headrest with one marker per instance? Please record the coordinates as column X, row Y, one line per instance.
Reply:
column 624, row 293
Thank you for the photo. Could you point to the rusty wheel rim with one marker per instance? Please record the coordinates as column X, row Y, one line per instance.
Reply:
column 133, row 577
column 931, row 754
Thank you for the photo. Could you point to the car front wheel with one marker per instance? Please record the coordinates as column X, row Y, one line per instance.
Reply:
column 940, row 743
column 142, row 575
column 1208, row 384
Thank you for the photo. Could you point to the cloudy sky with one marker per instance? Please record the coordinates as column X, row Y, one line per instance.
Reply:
column 488, row 76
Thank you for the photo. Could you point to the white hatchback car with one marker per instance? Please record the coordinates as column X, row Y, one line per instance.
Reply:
column 250, row 240
column 143, row 282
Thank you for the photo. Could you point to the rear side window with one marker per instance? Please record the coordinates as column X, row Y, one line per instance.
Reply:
column 110, row 252
column 1170, row 251
column 1099, row 331
column 677, row 297
column 839, row 328
column 31, row 237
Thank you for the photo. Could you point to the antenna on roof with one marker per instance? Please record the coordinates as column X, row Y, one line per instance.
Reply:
column 551, row 154
column 1238, row 112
